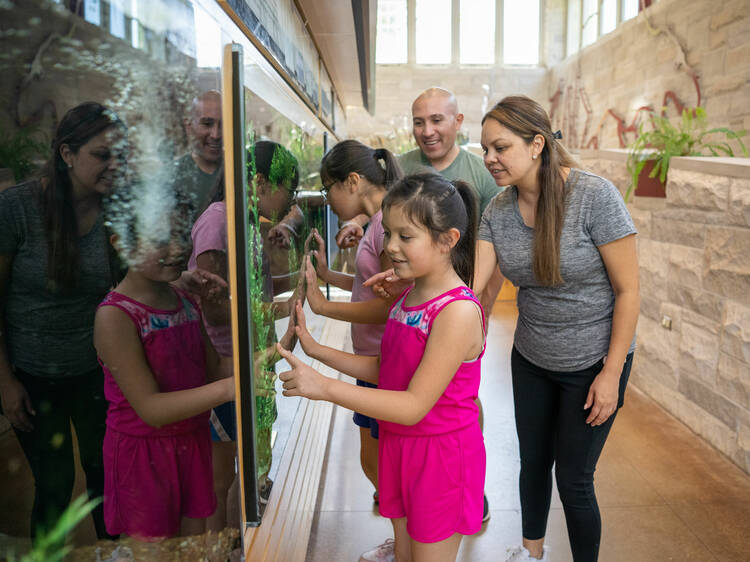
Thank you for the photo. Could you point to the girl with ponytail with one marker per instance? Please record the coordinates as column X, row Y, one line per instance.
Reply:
column 432, row 459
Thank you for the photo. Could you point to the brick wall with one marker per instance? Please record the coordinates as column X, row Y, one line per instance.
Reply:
column 693, row 251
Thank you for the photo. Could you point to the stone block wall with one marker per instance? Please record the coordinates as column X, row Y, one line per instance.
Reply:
column 635, row 65
column 694, row 254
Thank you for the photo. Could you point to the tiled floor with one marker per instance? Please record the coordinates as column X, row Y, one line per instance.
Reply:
column 664, row 493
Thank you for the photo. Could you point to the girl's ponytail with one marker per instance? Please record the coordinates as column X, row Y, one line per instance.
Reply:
column 392, row 168
column 464, row 251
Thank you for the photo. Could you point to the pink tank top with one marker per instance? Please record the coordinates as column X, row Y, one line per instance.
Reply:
column 403, row 345
column 173, row 345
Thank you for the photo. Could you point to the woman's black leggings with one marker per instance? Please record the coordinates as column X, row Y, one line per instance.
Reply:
column 552, row 429
column 49, row 446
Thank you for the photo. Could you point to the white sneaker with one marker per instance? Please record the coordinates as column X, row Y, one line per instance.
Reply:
column 383, row 553
column 520, row 554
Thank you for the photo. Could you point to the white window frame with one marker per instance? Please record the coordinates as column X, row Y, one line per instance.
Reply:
column 411, row 33
column 599, row 34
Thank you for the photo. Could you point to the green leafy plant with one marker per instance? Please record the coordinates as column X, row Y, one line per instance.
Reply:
column 49, row 546
column 19, row 151
column 690, row 137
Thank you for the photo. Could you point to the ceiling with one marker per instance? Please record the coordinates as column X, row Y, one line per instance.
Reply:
column 332, row 25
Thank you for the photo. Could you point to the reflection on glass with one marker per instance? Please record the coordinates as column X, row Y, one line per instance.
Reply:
column 139, row 61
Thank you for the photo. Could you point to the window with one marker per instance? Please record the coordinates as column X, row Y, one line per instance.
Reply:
column 608, row 16
column 477, row 29
column 590, row 22
column 433, row 33
column 521, row 31
column 92, row 12
column 629, row 9
column 391, row 46
column 116, row 21
column 574, row 26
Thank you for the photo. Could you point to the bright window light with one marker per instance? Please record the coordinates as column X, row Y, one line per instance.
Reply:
column 609, row 15
column 477, row 29
column 521, row 31
column 116, row 21
column 391, row 33
column 590, row 22
column 92, row 12
column 207, row 39
column 433, row 31
column 629, row 9
column 574, row 27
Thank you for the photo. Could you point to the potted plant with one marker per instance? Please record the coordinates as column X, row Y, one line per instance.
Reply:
column 648, row 159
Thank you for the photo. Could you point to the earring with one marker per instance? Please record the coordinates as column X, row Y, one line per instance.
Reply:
column 533, row 157
column 70, row 165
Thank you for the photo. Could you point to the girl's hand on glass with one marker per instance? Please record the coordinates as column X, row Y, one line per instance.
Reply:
column 315, row 245
column 387, row 284
column 349, row 235
column 302, row 380
column 288, row 340
column 315, row 296
column 306, row 340
column 281, row 235
column 205, row 284
column 602, row 398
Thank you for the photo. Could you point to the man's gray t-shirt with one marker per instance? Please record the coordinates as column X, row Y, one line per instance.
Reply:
column 49, row 332
column 466, row 167
column 568, row 327
column 194, row 181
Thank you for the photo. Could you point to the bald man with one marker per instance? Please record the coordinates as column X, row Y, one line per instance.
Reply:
column 196, row 171
column 435, row 125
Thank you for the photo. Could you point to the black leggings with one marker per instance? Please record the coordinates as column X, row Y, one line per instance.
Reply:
column 49, row 446
column 552, row 428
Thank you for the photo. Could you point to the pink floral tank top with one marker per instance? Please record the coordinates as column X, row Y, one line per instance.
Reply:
column 173, row 346
column 401, row 351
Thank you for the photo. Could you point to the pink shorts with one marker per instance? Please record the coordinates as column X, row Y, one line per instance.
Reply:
column 435, row 481
column 150, row 483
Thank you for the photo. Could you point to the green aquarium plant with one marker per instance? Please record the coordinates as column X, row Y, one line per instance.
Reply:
column 49, row 546
column 689, row 137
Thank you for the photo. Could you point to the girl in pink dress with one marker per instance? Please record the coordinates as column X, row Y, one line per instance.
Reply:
column 431, row 459
column 158, row 366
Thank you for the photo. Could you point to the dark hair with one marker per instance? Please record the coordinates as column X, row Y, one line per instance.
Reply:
column 526, row 118
column 439, row 205
column 275, row 163
column 352, row 156
column 77, row 127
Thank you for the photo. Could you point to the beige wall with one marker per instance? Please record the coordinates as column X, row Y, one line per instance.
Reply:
column 624, row 70
column 693, row 251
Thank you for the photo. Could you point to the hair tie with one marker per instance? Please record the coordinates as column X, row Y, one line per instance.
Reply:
column 379, row 153
column 557, row 135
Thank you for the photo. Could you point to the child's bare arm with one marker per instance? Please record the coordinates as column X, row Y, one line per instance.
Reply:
column 362, row 367
column 121, row 350
column 456, row 337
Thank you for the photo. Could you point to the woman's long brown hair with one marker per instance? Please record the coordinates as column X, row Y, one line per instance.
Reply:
column 526, row 118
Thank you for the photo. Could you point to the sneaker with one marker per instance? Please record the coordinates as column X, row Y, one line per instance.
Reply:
column 520, row 554
column 383, row 553
column 486, row 511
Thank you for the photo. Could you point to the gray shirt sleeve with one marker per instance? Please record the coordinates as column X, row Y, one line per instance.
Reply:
column 609, row 219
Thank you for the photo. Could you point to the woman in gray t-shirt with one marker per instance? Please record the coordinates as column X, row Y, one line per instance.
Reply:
column 55, row 268
column 565, row 238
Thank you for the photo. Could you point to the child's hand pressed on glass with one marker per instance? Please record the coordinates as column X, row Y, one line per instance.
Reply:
column 315, row 246
column 305, row 338
column 314, row 295
column 302, row 380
